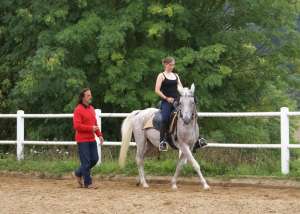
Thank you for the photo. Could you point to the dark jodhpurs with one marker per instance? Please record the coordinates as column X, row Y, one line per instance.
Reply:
column 166, row 110
column 88, row 155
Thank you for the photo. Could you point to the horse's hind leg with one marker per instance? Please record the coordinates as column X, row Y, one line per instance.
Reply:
column 181, row 162
column 140, row 164
column 186, row 150
column 140, row 153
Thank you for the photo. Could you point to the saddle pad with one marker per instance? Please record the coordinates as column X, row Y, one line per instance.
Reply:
column 149, row 123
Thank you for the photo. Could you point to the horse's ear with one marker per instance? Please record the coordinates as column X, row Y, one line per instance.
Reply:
column 180, row 90
column 193, row 88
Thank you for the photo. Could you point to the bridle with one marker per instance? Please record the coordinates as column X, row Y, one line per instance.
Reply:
column 179, row 110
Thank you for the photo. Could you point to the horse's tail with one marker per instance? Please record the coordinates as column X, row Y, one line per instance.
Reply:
column 126, row 132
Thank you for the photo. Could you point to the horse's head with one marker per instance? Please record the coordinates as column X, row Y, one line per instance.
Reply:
column 187, row 105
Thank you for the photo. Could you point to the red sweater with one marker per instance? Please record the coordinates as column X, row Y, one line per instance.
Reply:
column 84, row 119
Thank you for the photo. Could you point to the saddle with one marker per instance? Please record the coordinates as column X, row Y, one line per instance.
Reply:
column 155, row 122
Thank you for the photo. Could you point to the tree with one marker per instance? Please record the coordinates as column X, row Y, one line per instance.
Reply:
column 242, row 55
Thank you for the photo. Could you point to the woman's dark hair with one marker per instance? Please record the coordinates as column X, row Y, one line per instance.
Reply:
column 168, row 60
column 81, row 95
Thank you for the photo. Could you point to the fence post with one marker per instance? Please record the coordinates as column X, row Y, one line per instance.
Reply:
column 285, row 137
column 98, row 117
column 20, row 135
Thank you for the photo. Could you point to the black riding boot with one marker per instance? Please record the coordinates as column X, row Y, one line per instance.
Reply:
column 163, row 138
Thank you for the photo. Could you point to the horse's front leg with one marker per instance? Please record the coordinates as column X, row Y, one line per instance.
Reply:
column 186, row 150
column 181, row 162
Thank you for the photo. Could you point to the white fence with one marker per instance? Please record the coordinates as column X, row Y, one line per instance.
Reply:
column 284, row 131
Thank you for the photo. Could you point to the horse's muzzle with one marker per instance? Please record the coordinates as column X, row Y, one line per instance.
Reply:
column 186, row 120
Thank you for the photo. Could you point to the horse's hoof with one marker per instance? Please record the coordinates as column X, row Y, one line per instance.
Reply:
column 174, row 187
column 145, row 185
column 206, row 187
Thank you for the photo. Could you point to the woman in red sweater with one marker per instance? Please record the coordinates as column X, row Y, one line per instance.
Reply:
column 85, row 124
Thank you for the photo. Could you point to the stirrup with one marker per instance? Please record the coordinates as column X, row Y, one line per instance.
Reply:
column 201, row 143
column 163, row 146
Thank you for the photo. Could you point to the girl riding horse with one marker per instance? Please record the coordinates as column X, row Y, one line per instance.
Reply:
column 166, row 86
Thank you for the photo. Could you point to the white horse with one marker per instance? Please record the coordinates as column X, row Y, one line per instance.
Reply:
column 187, row 135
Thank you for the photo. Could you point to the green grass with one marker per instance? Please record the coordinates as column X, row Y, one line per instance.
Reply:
column 51, row 168
column 214, row 163
column 58, row 168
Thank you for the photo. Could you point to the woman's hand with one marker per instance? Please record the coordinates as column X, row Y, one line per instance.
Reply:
column 101, row 140
column 95, row 128
column 170, row 99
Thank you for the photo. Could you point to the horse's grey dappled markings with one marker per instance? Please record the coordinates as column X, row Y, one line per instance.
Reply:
column 187, row 135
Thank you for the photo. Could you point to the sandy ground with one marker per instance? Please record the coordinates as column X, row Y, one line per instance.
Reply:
column 34, row 195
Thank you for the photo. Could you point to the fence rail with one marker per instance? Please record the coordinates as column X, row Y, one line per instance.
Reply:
column 284, row 132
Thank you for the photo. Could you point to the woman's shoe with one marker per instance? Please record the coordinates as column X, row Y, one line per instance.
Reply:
column 78, row 180
column 91, row 186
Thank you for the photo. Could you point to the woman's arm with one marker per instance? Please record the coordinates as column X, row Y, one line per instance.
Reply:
column 78, row 125
column 158, row 83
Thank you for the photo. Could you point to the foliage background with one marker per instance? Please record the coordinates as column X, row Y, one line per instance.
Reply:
column 242, row 55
